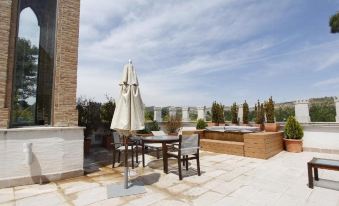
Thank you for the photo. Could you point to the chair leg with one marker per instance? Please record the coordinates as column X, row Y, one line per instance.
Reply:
column 179, row 168
column 158, row 153
column 113, row 162
column 198, row 164
column 183, row 162
column 132, row 150
column 143, row 154
column 137, row 154
column 119, row 156
column 186, row 162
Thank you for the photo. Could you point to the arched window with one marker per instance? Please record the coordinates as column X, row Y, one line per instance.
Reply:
column 34, row 63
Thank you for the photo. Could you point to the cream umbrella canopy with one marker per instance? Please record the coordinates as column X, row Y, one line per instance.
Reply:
column 129, row 112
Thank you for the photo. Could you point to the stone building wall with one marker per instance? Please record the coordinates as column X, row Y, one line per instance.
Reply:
column 64, row 111
column 5, row 16
column 65, row 81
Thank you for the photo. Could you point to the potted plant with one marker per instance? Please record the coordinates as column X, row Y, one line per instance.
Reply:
column 106, row 115
column 201, row 124
column 215, row 111
column 259, row 115
column 270, row 125
column 149, row 127
column 172, row 125
column 245, row 115
column 221, row 115
column 293, row 135
column 234, row 112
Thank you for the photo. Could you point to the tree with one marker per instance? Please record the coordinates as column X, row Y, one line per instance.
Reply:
column 234, row 111
column 269, row 110
column 26, row 70
column 246, row 110
column 259, row 113
column 334, row 23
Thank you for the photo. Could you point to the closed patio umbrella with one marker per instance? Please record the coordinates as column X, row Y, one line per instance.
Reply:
column 128, row 118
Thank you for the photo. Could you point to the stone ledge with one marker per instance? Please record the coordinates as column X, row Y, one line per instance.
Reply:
column 42, row 179
column 319, row 150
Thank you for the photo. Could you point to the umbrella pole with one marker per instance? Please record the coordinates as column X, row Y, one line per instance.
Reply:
column 126, row 164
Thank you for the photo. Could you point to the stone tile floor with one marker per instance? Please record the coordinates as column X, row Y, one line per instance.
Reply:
column 226, row 180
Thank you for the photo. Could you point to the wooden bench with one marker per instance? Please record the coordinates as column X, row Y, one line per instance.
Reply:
column 319, row 163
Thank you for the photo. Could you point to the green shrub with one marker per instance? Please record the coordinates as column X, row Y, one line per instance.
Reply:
column 201, row 124
column 89, row 115
column 293, row 130
column 234, row 112
column 214, row 111
column 149, row 127
column 259, row 113
column 217, row 112
column 269, row 110
column 228, row 115
column 149, row 114
column 246, row 111
column 173, row 124
column 208, row 116
column 106, row 114
column 283, row 112
column 165, row 113
column 322, row 109
column 334, row 23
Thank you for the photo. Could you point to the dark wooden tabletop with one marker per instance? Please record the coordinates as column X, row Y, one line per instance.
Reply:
column 325, row 162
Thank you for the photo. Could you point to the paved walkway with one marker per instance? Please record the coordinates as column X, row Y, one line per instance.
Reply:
column 226, row 180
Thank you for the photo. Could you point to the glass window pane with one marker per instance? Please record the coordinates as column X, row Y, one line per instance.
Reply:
column 34, row 64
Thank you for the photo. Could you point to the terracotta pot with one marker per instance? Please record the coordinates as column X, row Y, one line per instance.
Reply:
column 261, row 126
column 272, row 127
column 87, row 146
column 293, row 145
column 210, row 124
column 215, row 123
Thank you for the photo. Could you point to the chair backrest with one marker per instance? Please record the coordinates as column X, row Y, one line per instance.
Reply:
column 189, row 144
column 117, row 139
column 158, row 133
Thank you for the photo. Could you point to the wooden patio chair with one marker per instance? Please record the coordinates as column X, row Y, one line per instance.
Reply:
column 188, row 150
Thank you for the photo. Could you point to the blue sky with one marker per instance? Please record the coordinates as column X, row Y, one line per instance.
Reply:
column 190, row 53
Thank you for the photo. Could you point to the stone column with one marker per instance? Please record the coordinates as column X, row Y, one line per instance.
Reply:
column 185, row 117
column 336, row 100
column 302, row 111
column 157, row 114
column 240, row 114
column 172, row 111
column 201, row 112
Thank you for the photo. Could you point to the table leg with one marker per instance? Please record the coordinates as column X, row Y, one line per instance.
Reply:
column 310, row 176
column 164, row 156
column 316, row 176
column 143, row 153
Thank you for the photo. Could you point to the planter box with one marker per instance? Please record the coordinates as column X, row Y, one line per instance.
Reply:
column 263, row 145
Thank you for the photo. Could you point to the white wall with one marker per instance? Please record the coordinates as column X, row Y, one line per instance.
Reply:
column 321, row 140
column 55, row 151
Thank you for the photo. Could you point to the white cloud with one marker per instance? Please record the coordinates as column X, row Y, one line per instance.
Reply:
column 181, row 48
column 328, row 82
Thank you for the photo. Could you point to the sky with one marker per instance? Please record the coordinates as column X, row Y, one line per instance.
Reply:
column 192, row 52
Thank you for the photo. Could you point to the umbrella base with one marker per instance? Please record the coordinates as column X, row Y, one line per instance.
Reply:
column 118, row 190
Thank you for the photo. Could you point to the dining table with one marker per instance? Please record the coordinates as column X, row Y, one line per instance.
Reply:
column 164, row 140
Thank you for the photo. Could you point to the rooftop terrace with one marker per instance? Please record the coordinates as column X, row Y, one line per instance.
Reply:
column 225, row 180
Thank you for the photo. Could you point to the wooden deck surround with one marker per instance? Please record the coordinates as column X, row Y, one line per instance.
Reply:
column 261, row 145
